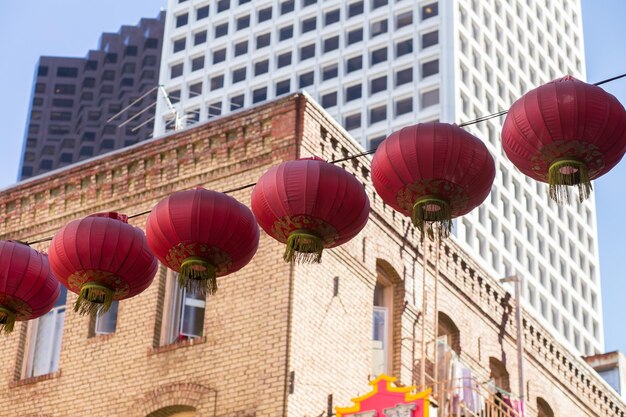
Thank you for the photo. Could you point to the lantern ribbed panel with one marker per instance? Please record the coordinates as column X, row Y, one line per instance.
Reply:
column 103, row 248
column 206, row 224
column 314, row 195
column 433, row 159
column 27, row 285
column 565, row 119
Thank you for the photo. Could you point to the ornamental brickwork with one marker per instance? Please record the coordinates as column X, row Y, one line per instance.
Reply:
column 278, row 340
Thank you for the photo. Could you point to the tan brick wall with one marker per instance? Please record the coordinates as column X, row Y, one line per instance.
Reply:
column 268, row 320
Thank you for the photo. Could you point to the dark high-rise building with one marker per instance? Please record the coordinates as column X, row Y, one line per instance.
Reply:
column 73, row 98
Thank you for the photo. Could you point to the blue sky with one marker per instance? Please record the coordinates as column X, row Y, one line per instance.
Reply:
column 32, row 28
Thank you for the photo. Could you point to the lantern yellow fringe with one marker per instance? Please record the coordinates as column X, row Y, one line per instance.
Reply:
column 7, row 320
column 436, row 224
column 559, row 181
column 94, row 298
column 303, row 246
column 198, row 276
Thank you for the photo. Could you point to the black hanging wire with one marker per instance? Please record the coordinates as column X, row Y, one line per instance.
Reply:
column 350, row 157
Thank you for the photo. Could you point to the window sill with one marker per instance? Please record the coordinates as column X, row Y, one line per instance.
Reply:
column 34, row 379
column 99, row 338
column 176, row 345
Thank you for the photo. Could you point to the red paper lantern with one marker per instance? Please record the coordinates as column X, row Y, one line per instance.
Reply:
column 27, row 288
column 565, row 133
column 202, row 234
column 433, row 172
column 310, row 205
column 102, row 258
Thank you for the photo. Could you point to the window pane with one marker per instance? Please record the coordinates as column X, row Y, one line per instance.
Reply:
column 179, row 44
column 47, row 344
column 378, row 84
column 404, row 76
column 260, row 94
column 282, row 87
column 331, row 44
column 430, row 10
column 404, row 47
column 262, row 40
column 241, row 48
column 329, row 100
column 404, row 19
column 236, row 102
column 429, row 98
column 378, row 56
column 378, row 28
column 404, row 106
column 331, row 17
column 219, row 56
column 430, row 68
column 307, row 79
column 355, row 36
column 243, row 22
column 199, row 38
column 202, row 13
column 309, row 25
column 265, row 14
column 192, row 315
column 182, row 20
column 106, row 323
column 354, row 64
column 284, row 59
column 329, row 72
column 223, row 5
column 430, row 39
column 353, row 121
column 217, row 82
column 353, row 92
column 221, row 30
column 286, row 6
column 261, row 67
column 378, row 114
column 285, row 33
column 239, row 75
column 355, row 8
column 307, row 52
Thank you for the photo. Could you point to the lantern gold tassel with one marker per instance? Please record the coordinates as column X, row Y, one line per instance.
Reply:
column 568, row 172
column 198, row 276
column 432, row 217
column 7, row 320
column 303, row 247
column 94, row 298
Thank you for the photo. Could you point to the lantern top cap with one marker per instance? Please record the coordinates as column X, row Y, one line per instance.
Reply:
column 111, row 215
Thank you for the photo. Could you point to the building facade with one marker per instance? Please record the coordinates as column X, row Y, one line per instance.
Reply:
column 277, row 339
column 73, row 99
column 377, row 66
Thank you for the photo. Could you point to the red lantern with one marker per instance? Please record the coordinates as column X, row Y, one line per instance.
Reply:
column 565, row 133
column 27, row 288
column 433, row 172
column 202, row 234
column 310, row 205
column 102, row 258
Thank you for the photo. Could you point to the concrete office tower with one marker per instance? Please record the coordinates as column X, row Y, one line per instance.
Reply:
column 73, row 98
column 379, row 65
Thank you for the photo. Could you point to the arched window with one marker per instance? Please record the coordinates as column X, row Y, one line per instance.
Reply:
column 543, row 408
column 499, row 374
column 174, row 411
column 449, row 333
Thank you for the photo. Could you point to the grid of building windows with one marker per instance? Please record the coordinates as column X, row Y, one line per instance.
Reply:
column 377, row 66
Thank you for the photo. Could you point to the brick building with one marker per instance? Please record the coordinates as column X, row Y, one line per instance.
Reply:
column 73, row 98
column 277, row 339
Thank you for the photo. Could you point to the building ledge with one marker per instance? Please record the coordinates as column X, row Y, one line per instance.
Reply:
column 34, row 379
column 177, row 345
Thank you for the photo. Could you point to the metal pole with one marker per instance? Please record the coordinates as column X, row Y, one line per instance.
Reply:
column 520, row 345
column 423, row 347
column 436, row 309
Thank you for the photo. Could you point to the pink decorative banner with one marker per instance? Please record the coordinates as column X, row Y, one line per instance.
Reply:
column 387, row 400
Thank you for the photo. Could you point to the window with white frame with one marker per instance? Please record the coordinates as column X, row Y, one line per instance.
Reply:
column 381, row 335
column 44, row 341
column 106, row 323
column 184, row 313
